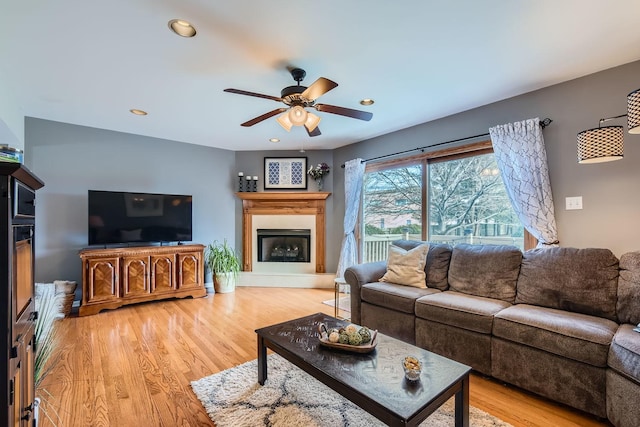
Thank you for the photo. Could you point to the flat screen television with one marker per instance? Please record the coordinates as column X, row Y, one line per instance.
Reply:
column 122, row 217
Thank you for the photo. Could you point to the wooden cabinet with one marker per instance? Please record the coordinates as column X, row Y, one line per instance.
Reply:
column 101, row 277
column 189, row 266
column 17, row 322
column 163, row 273
column 116, row 277
column 135, row 276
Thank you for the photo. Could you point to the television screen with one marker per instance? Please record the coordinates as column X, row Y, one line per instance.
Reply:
column 121, row 217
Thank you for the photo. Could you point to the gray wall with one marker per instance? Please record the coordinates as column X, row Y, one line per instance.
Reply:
column 11, row 117
column 609, row 190
column 72, row 159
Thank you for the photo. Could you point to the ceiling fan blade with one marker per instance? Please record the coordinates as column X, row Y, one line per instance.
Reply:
column 355, row 114
column 265, row 116
column 318, row 88
column 257, row 95
column 314, row 132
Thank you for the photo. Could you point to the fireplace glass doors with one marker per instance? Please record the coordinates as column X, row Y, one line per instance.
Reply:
column 284, row 245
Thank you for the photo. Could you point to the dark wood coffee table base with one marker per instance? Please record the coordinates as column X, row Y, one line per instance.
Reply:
column 375, row 381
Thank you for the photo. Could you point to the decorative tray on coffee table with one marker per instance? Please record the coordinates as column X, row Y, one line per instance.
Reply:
column 362, row 348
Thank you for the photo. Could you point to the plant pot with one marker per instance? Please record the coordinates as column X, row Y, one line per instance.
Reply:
column 208, row 281
column 224, row 283
column 36, row 411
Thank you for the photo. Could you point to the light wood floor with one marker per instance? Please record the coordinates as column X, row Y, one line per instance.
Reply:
column 133, row 366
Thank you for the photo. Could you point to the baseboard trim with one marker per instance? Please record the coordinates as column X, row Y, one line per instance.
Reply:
column 283, row 280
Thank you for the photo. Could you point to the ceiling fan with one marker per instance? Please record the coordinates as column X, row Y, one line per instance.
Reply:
column 297, row 98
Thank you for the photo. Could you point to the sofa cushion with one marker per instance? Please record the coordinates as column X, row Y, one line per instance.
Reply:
column 578, row 280
column 406, row 267
column 437, row 265
column 624, row 354
column 460, row 310
column 489, row 271
column 396, row 297
column 628, row 305
column 572, row 335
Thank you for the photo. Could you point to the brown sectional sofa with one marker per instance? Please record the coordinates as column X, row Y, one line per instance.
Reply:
column 557, row 322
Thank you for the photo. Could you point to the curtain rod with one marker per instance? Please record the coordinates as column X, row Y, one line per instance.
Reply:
column 543, row 124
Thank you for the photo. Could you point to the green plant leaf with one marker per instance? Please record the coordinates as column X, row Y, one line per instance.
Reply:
column 221, row 258
column 46, row 335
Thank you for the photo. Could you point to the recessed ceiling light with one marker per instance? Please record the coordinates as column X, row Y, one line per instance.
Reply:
column 274, row 140
column 182, row 28
column 138, row 112
column 367, row 101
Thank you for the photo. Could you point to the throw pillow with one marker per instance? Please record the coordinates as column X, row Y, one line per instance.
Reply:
column 407, row 267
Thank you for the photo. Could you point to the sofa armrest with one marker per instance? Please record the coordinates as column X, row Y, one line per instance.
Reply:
column 359, row 275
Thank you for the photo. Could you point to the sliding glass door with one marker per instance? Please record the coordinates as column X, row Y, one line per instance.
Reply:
column 452, row 197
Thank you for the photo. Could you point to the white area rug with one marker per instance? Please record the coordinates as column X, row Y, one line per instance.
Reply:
column 344, row 303
column 292, row 398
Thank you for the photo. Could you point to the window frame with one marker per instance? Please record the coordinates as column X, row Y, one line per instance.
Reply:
column 424, row 159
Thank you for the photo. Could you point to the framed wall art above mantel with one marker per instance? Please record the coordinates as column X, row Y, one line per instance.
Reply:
column 285, row 173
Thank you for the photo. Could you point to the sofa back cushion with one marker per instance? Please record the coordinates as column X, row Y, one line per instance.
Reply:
column 489, row 271
column 437, row 265
column 579, row 280
column 628, row 305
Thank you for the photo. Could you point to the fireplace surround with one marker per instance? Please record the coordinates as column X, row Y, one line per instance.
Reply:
column 283, row 203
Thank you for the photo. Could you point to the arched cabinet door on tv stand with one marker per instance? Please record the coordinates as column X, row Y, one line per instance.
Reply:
column 101, row 280
column 120, row 276
column 189, row 266
column 163, row 273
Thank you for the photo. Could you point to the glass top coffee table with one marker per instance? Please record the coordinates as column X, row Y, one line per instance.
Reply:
column 374, row 381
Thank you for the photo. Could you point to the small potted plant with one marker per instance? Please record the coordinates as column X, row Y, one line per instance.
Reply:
column 224, row 264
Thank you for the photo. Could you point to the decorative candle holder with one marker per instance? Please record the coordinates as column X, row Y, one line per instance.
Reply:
column 240, row 175
column 254, row 184
column 248, row 184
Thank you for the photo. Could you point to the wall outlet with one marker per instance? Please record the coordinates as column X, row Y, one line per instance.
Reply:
column 573, row 203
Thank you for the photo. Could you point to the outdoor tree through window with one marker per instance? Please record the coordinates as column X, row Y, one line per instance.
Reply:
column 392, row 208
column 463, row 198
column 468, row 203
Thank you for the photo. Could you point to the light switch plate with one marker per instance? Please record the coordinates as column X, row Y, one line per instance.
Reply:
column 573, row 203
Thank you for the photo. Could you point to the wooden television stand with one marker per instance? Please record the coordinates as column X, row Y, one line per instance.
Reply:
column 115, row 277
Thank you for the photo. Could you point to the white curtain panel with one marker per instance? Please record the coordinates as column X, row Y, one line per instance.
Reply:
column 353, row 181
column 522, row 160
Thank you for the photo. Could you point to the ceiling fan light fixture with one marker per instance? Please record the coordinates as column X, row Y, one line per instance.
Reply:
column 283, row 120
column 312, row 122
column 297, row 99
column 298, row 115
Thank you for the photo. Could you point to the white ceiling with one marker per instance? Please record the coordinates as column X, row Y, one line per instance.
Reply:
column 88, row 62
